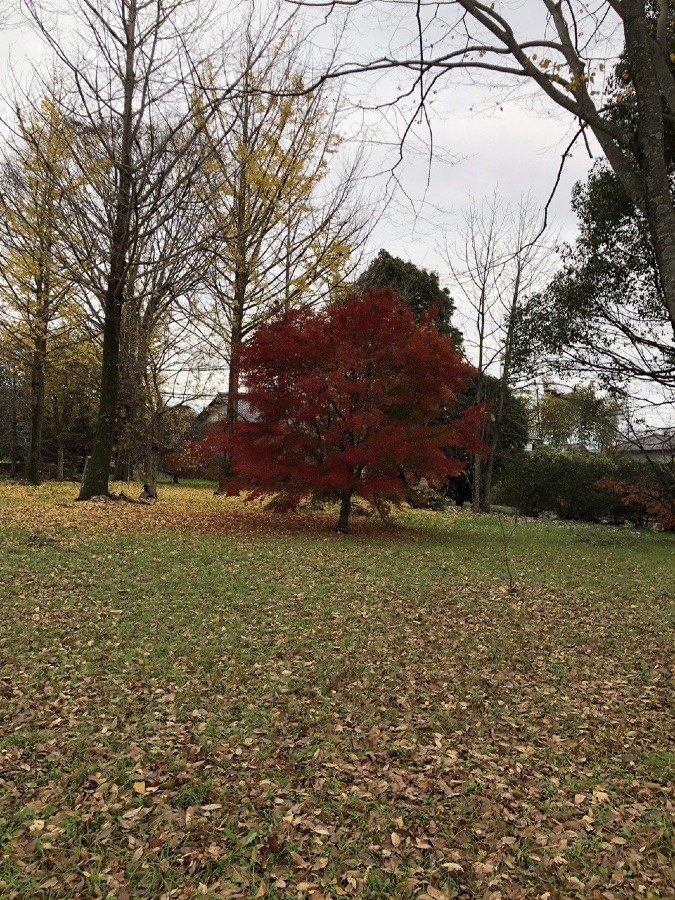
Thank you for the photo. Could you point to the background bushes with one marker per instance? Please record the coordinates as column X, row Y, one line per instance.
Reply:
column 567, row 485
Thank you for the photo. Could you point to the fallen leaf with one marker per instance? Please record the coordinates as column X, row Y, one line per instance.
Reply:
column 452, row 867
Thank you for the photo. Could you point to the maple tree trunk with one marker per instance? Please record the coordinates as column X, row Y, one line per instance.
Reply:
column 37, row 412
column 345, row 509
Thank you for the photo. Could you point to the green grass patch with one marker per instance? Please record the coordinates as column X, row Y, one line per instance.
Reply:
column 200, row 696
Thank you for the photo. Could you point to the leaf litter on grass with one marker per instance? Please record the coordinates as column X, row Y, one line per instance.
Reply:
column 274, row 714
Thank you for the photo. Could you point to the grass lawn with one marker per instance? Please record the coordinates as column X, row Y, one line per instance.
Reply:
column 203, row 698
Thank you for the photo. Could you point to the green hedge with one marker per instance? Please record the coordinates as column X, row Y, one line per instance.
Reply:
column 567, row 485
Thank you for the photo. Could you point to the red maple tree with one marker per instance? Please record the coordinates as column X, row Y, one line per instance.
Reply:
column 345, row 399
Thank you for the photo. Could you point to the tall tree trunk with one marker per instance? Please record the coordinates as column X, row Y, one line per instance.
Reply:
column 152, row 455
column 130, row 403
column 98, row 471
column 477, row 483
column 481, row 311
column 126, row 431
column 37, row 410
column 241, row 280
column 492, row 453
column 234, row 374
column 477, row 479
column 345, row 510
column 234, row 377
column 503, row 387
column 60, row 454
column 97, row 476
column 651, row 147
column 151, row 465
column 122, row 460
column 14, row 414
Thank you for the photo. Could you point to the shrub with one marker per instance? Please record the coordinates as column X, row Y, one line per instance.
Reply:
column 577, row 487
column 653, row 497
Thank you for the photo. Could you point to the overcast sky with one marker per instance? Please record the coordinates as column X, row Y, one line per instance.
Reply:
column 483, row 141
column 490, row 137
column 486, row 137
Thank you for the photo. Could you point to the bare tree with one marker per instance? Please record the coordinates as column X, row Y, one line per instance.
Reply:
column 166, row 265
column 498, row 260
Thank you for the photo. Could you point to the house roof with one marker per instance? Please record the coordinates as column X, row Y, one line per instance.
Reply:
column 657, row 441
column 218, row 407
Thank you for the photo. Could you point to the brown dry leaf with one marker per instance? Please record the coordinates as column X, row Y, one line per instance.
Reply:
column 132, row 813
column 435, row 894
column 139, row 787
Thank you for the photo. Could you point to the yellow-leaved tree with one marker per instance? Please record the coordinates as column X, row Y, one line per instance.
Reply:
column 35, row 290
column 286, row 216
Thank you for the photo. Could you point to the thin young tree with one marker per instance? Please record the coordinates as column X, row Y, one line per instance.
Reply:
column 496, row 264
